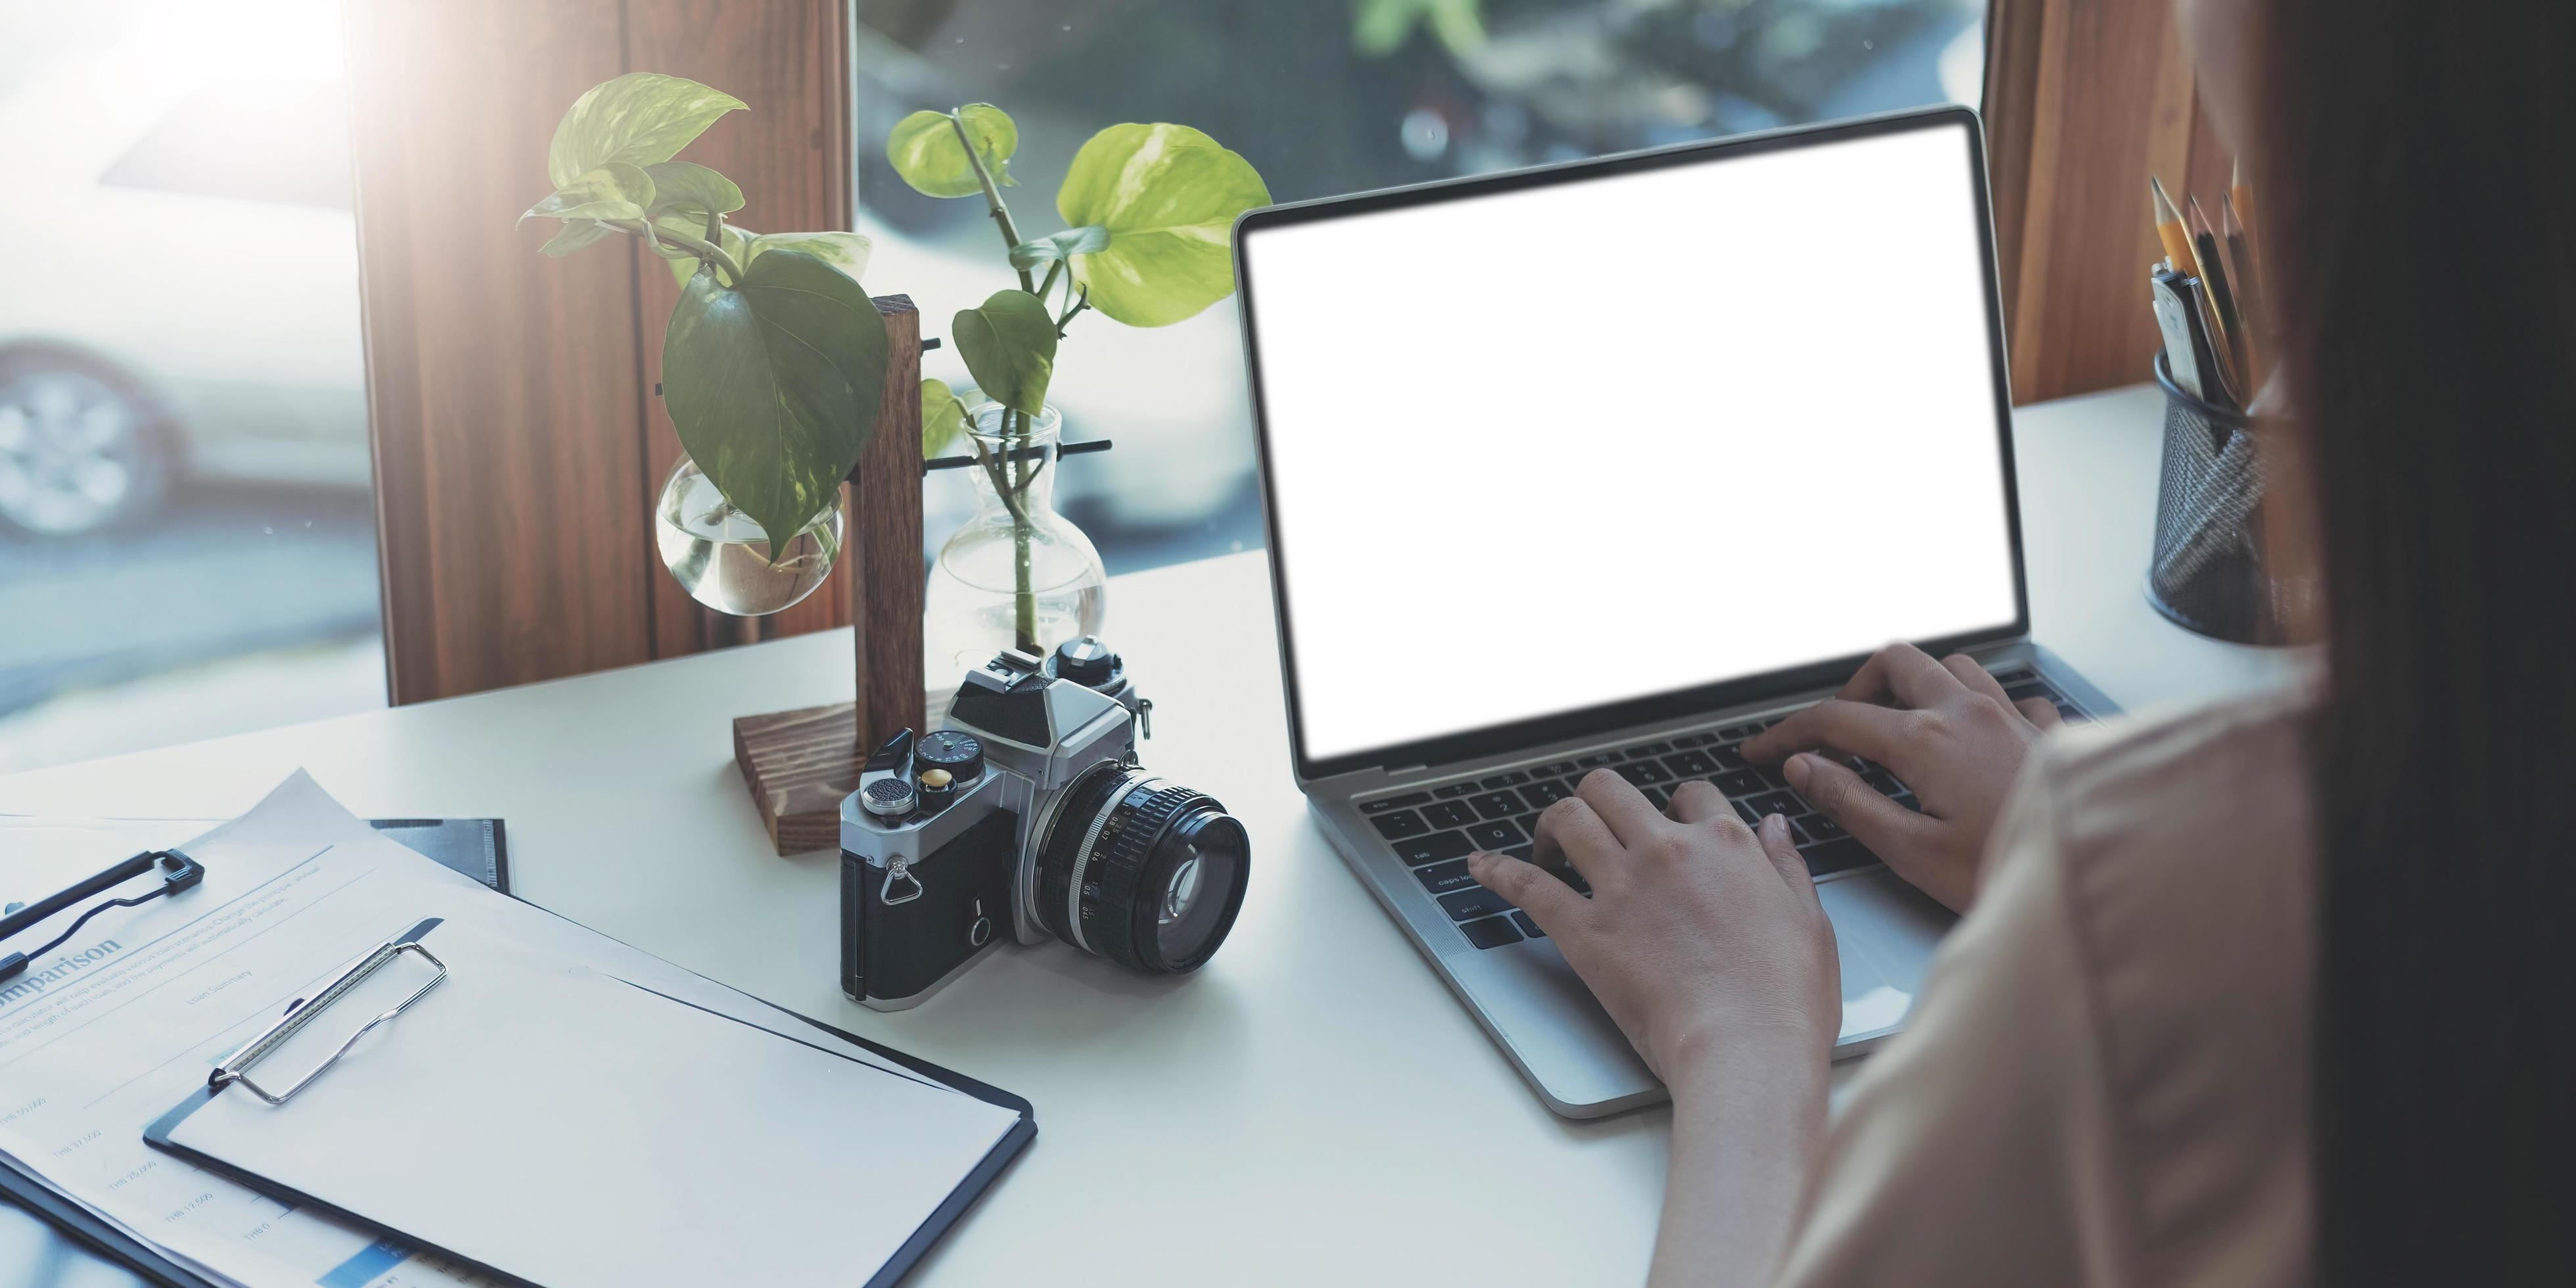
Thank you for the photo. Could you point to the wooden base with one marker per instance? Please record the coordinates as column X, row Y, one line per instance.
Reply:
column 799, row 764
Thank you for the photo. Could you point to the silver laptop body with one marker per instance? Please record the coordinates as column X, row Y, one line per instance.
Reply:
column 1357, row 280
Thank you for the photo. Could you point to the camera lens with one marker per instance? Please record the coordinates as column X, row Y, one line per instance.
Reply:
column 1144, row 873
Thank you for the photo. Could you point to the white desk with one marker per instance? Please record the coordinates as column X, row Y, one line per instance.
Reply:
column 1311, row 1107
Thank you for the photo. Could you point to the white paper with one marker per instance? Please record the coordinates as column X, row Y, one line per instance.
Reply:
column 103, row 1035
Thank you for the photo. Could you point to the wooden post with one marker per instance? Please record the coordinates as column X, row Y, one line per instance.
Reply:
column 799, row 764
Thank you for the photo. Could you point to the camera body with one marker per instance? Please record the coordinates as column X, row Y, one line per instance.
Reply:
column 1025, row 816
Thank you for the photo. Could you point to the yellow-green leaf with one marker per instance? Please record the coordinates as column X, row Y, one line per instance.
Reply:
column 924, row 149
column 615, row 190
column 1009, row 346
column 640, row 118
column 688, row 186
column 943, row 418
column 1168, row 195
column 577, row 234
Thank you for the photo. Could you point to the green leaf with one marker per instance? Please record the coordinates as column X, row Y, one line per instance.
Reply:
column 1009, row 346
column 943, row 418
column 774, row 386
column 924, row 149
column 640, row 119
column 577, row 234
column 1168, row 195
column 612, row 191
column 1063, row 245
column 687, row 186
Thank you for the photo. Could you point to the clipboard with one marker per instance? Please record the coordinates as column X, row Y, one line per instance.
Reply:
column 236, row 1076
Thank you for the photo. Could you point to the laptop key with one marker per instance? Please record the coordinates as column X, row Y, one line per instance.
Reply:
column 1495, row 835
column 1448, row 814
column 1540, row 795
column 2070, row 715
column 1648, row 749
column 1745, row 812
column 1595, row 760
column 1399, row 825
column 1883, row 781
column 1498, row 804
column 1556, row 769
column 1728, row 755
column 1528, row 824
column 1528, row 927
column 1655, row 796
column 1645, row 773
column 1469, row 904
column 1836, row 856
column 1820, row 827
column 1907, row 800
column 1441, row 878
column 1513, row 778
column 1778, row 803
column 1433, row 848
column 1492, row 932
column 1690, row 764
column 1455, row 790
column 1694, row 739
column 1741, row 782
column 1395, row 802
column 1738, row 733
column 2033, row 689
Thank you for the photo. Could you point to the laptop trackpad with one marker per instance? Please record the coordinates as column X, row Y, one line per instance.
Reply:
column 1885, row 932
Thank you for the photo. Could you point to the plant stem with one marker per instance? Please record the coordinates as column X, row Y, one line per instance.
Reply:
column 702, row 249
column 1024, row 599
column 1069, row 314
column 992, row 197
column 1054, row 267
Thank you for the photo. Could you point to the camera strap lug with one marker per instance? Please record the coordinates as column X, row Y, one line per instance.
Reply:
column 1145, row 717
column 899, row 870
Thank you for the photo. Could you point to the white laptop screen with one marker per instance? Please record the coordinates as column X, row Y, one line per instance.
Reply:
column 1544, row 448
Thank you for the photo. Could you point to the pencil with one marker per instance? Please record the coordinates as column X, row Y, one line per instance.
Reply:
column 2169, row 228
column 2241, row 196
column 2222, row 295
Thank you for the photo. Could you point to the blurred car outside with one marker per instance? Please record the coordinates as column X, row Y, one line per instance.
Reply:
column 191, row 310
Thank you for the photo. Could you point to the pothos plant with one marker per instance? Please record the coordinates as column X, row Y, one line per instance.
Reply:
column 774, row 361
column 1149, row 213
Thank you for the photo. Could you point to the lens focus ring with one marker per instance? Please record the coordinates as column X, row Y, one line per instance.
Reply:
column 1112, row 854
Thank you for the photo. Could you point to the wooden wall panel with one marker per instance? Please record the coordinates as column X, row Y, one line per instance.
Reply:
column 504, row 399
column 518, row 442
column 2083, row 99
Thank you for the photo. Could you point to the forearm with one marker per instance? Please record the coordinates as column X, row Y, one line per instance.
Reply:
column 1746, row 1129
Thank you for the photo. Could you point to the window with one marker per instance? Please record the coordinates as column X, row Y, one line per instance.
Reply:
column 1324, row 98
column 187, row 545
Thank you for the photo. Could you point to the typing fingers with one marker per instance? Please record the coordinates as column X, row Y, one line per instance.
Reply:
column 1883, row 734
column 1568, row 832
column 1901, row 672
column 1631, row 817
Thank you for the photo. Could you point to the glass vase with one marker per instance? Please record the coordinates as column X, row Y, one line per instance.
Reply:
column 1018, row 575
column 722, row 558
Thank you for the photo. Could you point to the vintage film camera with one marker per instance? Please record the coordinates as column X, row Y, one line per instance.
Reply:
column 1026, row 815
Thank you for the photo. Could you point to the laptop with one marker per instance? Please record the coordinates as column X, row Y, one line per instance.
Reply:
column 1613, row 463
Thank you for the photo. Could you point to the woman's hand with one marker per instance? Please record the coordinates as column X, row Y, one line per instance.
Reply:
column 1946, row 729
column 1701, row 940
column 1708, row 947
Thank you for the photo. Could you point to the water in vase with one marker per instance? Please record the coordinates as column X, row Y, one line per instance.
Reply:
column 721, row 557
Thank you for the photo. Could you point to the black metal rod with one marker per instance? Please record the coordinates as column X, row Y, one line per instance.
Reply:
column 1022, row 454
column 48, row 906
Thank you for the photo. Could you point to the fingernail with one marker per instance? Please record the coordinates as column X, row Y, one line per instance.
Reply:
column 1798, row 768
column 1775, row 825
column 1477, row 859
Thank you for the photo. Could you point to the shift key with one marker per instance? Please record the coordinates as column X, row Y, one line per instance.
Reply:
column 1467, row 905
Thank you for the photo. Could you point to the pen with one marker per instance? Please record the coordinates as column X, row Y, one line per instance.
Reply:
column 2213, row 277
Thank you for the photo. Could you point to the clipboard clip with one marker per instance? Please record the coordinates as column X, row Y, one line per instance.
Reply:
column 300, row 1012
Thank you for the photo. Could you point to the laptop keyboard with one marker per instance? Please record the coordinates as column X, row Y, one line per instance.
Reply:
column 1433, row 829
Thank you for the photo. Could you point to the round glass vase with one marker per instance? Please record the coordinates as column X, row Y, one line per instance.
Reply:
column 1018, row 575
column 721, row 557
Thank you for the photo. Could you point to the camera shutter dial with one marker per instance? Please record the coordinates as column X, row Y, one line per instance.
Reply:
column 961, row 754
column 1085, row 661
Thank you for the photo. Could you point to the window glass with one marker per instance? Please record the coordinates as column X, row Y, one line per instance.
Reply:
column 1323, row 97
column 187, row 545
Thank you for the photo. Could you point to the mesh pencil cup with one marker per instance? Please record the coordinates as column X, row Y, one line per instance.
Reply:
column 2209, row 573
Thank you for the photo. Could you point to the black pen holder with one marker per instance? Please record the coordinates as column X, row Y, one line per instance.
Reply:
column 2210, row 572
